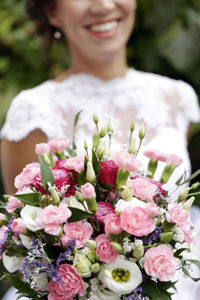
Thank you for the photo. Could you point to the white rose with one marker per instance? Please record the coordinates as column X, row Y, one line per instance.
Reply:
column 129, row 274
column 12, row 263
column 122, row 204
column 29, row 214
column 26, row 241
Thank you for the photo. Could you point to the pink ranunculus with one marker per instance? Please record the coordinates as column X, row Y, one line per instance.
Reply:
column 127, row 161
column 61, row 178
column 143, row 188
column 152, row 210
column 155, row 155
column 176, row 214
column 75, row 163
column 112, row 224
column 58, row 144
column 105, row 250
column 71, row 284
column 88, row 191
column 103, row 210
column 174, row 160
column 13, row 204
column 108, row 172
column 42, row 148
column 135, row 220
column 52, row 216
column 160, row 263
column 80, row 230
column 18, row 226
column 25, row 178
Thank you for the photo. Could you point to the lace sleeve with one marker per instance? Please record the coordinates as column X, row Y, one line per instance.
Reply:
column 188, row 102
column 29, row 111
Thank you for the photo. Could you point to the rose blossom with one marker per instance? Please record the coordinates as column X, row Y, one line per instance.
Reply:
column 103, row 210
column 155, row 155
column 135, row 220
column 112, row 224
column 88, row 191
column 143, row 188
column 42, row 148
column 52, row 216
column 105, row 250
column 13, row 204
column 179, row 216
column 152, row 210
column 18, row 226
column 71, row 284
column 160, row 263
column 127, row 161
column 75, row 163
column 58, row 144
column 108, row 172
column 25, row 178
column 80, row 230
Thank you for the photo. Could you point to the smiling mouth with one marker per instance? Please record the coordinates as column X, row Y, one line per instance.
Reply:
column 104, row 26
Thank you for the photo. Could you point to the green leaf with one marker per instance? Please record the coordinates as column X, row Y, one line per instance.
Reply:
column 179, row 251
column 106, row 187
column 95, row 163
column 2, row 204
column 46, row 174
column 76, row 119
column 30, row 198
column 78, row 215
column 152, row 290
column 195, row 174
column 185, row 271
column 195, row 262
column 80, row 178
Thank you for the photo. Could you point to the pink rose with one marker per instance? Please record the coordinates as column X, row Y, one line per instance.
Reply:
column 155, row 155
column 88, row 191
column 13, row 204
column 52, row 216
column 108, row 172
column 18, row 226
column 105, row 250
column 25, row 178
column 81, row 231
column 58, row 144
column 71, row 284
column 127, row 161
column 61, row 178
column 112, row 224
column 135, row 220
column 179, row 216
column 160, row 263
column 75, row 163
column 42, row 148
column 103, row 210
column 143, row 188
column 174, row 160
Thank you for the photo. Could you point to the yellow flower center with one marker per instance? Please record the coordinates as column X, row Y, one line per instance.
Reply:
column 120, row 275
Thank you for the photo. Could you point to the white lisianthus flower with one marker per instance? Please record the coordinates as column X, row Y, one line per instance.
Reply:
column 26, row 241
column 12, row 263
column 107, row 295
column 122, row 204
column 29, row 214
column 121, row 276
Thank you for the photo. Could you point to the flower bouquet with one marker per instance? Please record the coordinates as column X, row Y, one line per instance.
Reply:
column 96, row 225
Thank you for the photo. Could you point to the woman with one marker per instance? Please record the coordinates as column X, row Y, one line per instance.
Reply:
column 100, row 81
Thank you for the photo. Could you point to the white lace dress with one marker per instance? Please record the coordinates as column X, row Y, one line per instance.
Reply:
column 164, row 105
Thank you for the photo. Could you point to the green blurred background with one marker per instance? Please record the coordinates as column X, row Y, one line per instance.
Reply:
column 166, row 40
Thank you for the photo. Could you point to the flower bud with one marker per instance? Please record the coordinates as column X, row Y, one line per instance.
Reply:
column 79, row 196
column 132, row 127
column 91, row 244
column 90, row 174
column 101, row 148
column 138, row 252
column 133, row 147
column 166, row 237
column 188, row 203
column 117, row 247
column 3, row 219
column 95, row 118
column 103, row 131
column 96, row 138
column 142, row 132
column 85, row 145
column 54, row 195
column 195, row 185
column 127, row 193
column 92, row 256
column 95, row 268
column 83, row 265
column 110, row 127
column 45, row 200
column 183, row 195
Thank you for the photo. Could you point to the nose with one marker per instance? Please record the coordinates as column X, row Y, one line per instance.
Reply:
column 102, row 7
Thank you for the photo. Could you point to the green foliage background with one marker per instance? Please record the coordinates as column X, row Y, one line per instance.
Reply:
column 166, row 40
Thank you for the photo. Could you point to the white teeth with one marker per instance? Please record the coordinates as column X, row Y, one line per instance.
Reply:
column 104, row 27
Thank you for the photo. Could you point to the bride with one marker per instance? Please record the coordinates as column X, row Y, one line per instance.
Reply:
column 98, row 80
